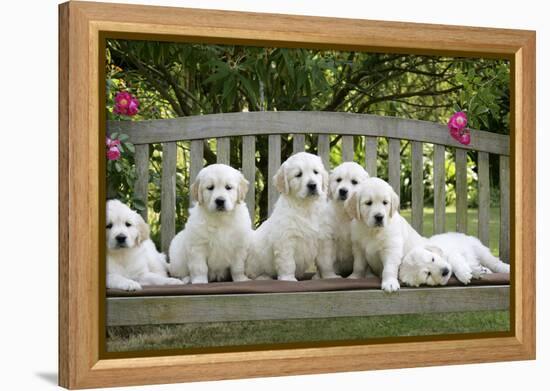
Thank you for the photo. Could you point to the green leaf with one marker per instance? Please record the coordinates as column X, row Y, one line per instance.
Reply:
column 130, row 147
column 139, row 204
column 113, row 136
column 118, row 167
column 123, row 137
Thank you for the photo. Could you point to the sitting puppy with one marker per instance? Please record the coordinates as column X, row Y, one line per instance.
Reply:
column 344, row 180
column 448, row 253
column 214, row 243
column 294, row 237
column 132, row 259
column 380, row 236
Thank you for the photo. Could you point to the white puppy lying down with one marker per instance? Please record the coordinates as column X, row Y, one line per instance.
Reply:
column 214, row 243
column 380, row 236
column 344, row 180
column 448, row 253
column 132, row 259
column 294, row 237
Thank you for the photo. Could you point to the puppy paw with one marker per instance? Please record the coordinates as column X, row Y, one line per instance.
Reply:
column 199, row 280
column 479, row 271
column 390, row 285
column 240, row 278
column 130, row 285
column 287, row 278
column 176, row 281
column 331, row 275
column 464, row 276
column 355, row 276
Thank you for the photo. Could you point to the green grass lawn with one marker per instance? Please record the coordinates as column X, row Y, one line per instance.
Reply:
column 133, row 338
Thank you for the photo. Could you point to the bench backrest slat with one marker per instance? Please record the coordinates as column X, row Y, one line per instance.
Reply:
column 323, row 148
column 222, row 150
column 298, row 143
column 249, row 172
column 504, row 243
column 168, row 194
column 484, row 197
column 417, row 183
column 273, row 164
column 439, row 188
column 347, row 149
column 371, row 155
column 461, row 188
column 196, row 154
column 142, row 176
column 394, row 165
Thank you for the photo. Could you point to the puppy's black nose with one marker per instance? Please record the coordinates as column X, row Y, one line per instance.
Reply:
column 312, row 186
column 343, row 192
column 379, row 217
column 444, row 272
column 220, row 202
column 120, row 238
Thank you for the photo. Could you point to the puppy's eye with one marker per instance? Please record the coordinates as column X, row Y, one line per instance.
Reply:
column 354, row 182
column 299, row 175
column 338, row 180
column 369, row 203
column 110, row 225
column 433, row 260
column 228, row 187
column 428, row 274
column 315, row 172
column 128, row 224
column 385, row 202
column 211, row 187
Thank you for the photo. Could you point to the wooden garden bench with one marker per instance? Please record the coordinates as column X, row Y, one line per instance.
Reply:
column 257, row 301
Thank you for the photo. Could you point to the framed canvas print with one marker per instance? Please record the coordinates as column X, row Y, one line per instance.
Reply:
column 301, row 194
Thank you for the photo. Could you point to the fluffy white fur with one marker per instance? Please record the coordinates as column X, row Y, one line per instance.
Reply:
column 294, row 238
column 463, row 255
column 380, row 236
column 344, row 180
column 214, row 243
column 132, row 259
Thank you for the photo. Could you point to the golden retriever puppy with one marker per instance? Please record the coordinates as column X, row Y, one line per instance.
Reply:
column 380, row 235
column 214, row 243
column 295, row 237
column 449, row 253
column 132, row 259
column 344, row 180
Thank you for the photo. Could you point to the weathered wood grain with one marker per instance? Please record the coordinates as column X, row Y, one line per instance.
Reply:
column 394, row 165
column 222, row 150
column 504, row 242
column 142, row 176
column 197, row 159
column 273, row 164
column 461, row 190
column 168, row 195
column 323, row 149
column 249, row 172
column 371, row 154
column 287, row 122
column 484, row 197
column 298, row 143
column 417, row 196
column 439, row 188
column 348, row 153
column 240, row 307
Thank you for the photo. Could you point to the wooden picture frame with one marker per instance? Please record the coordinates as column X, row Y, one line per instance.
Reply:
column 81, row 147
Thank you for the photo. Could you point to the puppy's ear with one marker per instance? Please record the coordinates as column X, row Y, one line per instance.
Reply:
column 352, row 206
column 243, row 189
column 280, row 180
column 143, row 229
column 196, row 194
column 394, row 204
column 435, row 250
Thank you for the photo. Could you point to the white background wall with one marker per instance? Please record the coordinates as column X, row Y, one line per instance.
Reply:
column 28, row 192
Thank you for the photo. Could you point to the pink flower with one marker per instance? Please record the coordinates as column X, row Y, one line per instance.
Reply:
column 458, row 120
column 461, row 135
column 126, row 104
column 113, row 153
column 112, row 143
